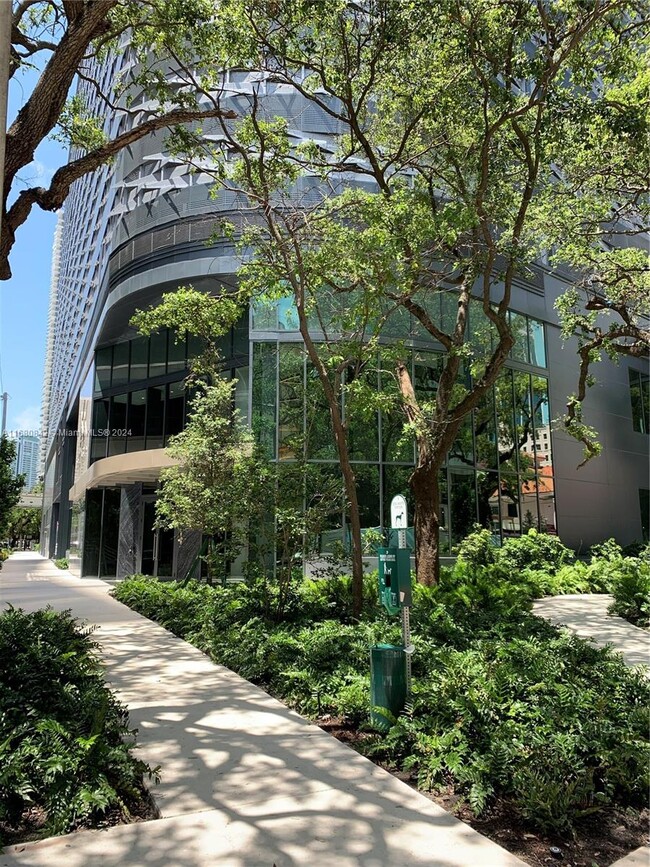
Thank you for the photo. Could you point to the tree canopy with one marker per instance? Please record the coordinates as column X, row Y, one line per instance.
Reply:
column 472, row 139
column 68, row 40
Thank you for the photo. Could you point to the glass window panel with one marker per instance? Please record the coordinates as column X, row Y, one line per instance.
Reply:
column 264, row 395
column 319, row 434
column 483, row 335
column 448, row 311
column 158, row 354
column 155, row 416
column 240, row 339
column 430, row 302
column 103, row 366
column 175, row 352
column 363, row 425
column 287, row 314
column 324, row 492
column 291, row 401
column 542, row 419
column 462, row 451
column 487, row 490
column 100, row 429
column 241, row 392
column 194, row 346
column 137, row 416
column 367, row 476
column 120, row 364
column 139, row 358
column 174, row 409
column 537, row 347
column 509, row 510
column 118, row 425
column 427, row 367
column 546, row 501
column 529, row 508
column 264, row 315
column 485, row 432
column 523, row 421
column 504, row 402
column 110, row 533
column 463, row 505
column 519, row 328
column 640, row 398
column 92, row 533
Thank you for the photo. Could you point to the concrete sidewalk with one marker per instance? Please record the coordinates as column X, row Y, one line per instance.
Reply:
column 245, row 780
column 586, row 615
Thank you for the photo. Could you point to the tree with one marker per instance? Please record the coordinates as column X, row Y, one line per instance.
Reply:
column 24, row 524
column 463, row 125
column 69, row 40
column 10, row 486
column 223, row 484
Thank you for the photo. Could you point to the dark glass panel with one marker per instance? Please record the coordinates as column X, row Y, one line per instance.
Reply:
column 324, row 493
column 175, row 408
column 242, row 386
column 194, row 346
column 92, row 533
column 139, row 359
column 103, row 366
column 120, row 364
column 155, row 416
column 264, row 395
column 519, row 328
column 175, row 352
column 509, row 508
column 158, row 354
column 487, row 490
column 100, row 430
column 524, row 423
column 137, row 416
column 363, row 424
column 110, row 532
column 462, row 451
column 291, row 401
column 319, row 435
column 463, row 505
column 367, row 476
column 485, row 432
column 644, row 506
column 640, row 397
column 118, row 425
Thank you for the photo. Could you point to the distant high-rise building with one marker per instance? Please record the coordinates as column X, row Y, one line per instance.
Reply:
column 27, row 460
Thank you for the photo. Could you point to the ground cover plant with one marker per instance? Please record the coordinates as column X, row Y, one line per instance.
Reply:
column 65, row 759
column 505, row 707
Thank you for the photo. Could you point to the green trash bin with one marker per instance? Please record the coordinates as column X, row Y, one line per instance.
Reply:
column 387, row 684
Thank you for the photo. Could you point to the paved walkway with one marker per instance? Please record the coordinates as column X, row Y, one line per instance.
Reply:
column 586, row 615
column 245, row 781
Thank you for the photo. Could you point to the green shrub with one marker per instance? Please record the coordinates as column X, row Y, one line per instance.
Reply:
column 631, row 591
column 63, row 736
column 61, row 563
column 5, row 553
column 534, row 550
column 478, row 548
column 503, row 703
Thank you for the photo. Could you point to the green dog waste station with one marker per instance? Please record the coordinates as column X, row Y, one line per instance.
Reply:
column 387, row 684
column 390, row 663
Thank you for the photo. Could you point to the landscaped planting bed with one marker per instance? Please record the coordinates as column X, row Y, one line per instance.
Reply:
column 532, row 735
column 65, row 743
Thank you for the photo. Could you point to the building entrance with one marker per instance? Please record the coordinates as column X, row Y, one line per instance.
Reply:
column 157, row 545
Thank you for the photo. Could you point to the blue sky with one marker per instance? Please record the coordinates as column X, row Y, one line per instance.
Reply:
column 24, row 298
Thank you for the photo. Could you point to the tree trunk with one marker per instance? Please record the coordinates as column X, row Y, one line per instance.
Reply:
column 425, row 485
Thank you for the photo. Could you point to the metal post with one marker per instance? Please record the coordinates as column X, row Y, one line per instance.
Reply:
column 4, row 398
column 406, row 621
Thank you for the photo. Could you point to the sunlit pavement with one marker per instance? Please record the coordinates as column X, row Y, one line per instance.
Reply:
column 586, row 615
column 245, row 780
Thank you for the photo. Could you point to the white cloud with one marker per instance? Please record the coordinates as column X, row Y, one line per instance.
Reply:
column 28, row 419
